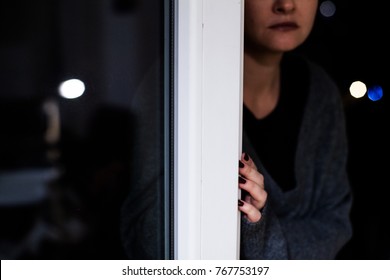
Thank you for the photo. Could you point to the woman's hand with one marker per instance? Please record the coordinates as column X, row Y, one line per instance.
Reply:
column 252, row 181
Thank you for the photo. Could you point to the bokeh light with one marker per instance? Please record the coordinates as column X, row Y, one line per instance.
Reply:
column 358, row 89
column 327, row 8
column 375, row 93
column 72, row 88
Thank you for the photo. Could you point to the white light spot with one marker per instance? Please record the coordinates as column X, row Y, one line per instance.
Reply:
column 358, row 89
column 71, row 89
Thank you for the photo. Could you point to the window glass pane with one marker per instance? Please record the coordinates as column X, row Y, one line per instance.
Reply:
column 79, row 171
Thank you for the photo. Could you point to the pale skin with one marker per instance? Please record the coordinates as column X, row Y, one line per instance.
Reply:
column 272, row 27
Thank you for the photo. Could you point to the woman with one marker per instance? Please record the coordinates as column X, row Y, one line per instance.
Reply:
column 296, row 194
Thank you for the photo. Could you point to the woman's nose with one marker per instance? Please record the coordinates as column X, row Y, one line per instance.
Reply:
column 284, row 6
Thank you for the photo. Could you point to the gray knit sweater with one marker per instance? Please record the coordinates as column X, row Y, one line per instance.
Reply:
column 312, row 220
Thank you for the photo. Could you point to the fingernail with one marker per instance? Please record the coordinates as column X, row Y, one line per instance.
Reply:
column 246, row 157
column 241, row 180
column 240, row 203
column 240, row 164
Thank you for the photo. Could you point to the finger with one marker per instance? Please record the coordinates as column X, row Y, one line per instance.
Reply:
column 251, row 213
column 256, row 192
column 246, row 171
column 257, row 195
column 248, row 160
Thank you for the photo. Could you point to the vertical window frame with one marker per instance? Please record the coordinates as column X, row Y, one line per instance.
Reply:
column 208, row 131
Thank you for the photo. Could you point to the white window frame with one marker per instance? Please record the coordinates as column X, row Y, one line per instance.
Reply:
column 208, row 101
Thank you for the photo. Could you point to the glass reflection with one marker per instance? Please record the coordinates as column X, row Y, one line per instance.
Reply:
column 67, row 165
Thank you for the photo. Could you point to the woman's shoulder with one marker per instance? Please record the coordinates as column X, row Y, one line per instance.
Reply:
column 321, row 87
column 319, row 76
column 321, row 83
column 325, row 95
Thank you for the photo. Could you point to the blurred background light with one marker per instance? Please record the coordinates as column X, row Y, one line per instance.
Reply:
column 327, row 8
column 375, row 93
column 72, row 88
column 358, row 89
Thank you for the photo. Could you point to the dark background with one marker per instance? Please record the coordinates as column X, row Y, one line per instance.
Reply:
column 110, row 44
column 352, row 46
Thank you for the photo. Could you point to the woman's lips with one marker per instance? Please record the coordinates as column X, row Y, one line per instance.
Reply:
column 284, row 26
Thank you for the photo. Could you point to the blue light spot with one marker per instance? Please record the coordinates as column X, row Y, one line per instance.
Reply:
column 327, row 8
column 375, row 93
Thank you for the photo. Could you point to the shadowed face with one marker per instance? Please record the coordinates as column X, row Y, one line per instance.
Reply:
column 278, row 25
